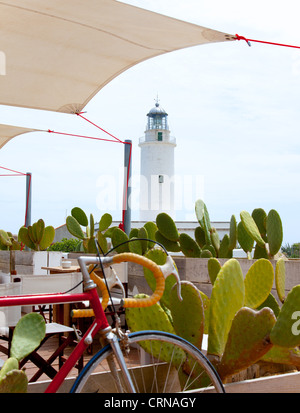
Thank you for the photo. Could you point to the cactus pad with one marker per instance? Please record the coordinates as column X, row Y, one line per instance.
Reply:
column 224, row 247
column 27, row 336
column 248, row 340
column 172, row 246
column 244, row 239
column 274, row 231
column 271, row 303
column 215, row 240
column 154, row 318
column 286, row 332
column 105, row 222
column 188, row 314
column 251, row 227
column 167, row 227
column 200, row 236
column 232, row 233
column 48, row 237
column 151, row 229
column 280, row 279
column 203, row 219
column 118, row 237
column 80, row 216
column 227, row 297
column 135, row 246
column 213, row 267
column 259, row 215
column 189, row 247
column 10, row 364
column 258, row 283
column 14, row 382
column 283, row 355
column 74, row 227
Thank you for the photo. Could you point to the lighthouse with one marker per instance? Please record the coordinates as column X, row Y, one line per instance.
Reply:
column 157, row 166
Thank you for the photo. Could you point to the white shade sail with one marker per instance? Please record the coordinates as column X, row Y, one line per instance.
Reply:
column 8, row 132
column 58, row 54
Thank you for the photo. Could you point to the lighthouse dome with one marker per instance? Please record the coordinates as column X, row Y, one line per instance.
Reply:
column 156, row 111
column 157, row 118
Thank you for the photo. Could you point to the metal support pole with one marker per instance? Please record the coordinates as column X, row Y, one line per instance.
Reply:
column 28, row 199
column 127, row 186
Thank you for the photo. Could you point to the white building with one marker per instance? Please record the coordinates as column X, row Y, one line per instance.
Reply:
column 157, row 166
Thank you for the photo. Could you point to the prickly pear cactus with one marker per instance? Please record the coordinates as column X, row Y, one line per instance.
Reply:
column 274, row 231
column 166, row 226
column 10, row 364
column 37, row 237
column 224, row 247
column 7, row 241
column 213, row 267
column 232, row 233
column 28, row 334
column 245, row 240
column 286, row 332
column 282, row 355
column 151, row 229
column 118, row 237
column 200, row 236
column 154, row 318
column 189, row 247
column 280, row 279
column 227, row 297
column 15, row 381
column 258, row 283
column 172, row 246
column 74, row 227
column 248, row 340
column 272, row 303
column 251, row 227
column 190, row 308
column 260, row 217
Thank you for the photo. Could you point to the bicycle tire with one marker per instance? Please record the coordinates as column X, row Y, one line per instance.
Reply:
column 174, row 360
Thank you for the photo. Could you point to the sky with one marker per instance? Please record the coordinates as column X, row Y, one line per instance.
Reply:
column 233, row 109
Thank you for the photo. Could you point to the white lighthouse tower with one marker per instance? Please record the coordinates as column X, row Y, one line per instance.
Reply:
column 157, row 166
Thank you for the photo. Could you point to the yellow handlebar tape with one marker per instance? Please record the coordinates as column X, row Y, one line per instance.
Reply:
column 152, row 266
column 128, row 302
column 105, row 297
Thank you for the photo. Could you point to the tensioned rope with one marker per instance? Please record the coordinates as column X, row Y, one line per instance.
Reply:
column 114, row 140
column 17, row 173
column 238, row 37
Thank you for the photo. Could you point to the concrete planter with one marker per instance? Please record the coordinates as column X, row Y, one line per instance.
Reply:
column 195, row 271
column 29, row 262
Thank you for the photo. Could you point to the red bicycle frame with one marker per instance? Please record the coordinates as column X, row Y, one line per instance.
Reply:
column 99, row 323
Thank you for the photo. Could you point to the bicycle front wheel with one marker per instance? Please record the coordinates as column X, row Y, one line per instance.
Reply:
column 157, row 362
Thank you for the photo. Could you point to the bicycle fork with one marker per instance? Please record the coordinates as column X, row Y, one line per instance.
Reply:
column 112, row 339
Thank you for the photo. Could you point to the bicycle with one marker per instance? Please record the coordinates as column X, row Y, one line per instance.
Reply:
column 172, row 365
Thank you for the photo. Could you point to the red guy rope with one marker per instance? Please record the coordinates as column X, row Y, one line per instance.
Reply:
column 114, row 140
column 238, row 37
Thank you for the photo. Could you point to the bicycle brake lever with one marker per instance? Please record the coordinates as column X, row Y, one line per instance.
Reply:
column 169, row 268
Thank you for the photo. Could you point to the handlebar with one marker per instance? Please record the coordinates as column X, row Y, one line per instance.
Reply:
column 160, row 272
